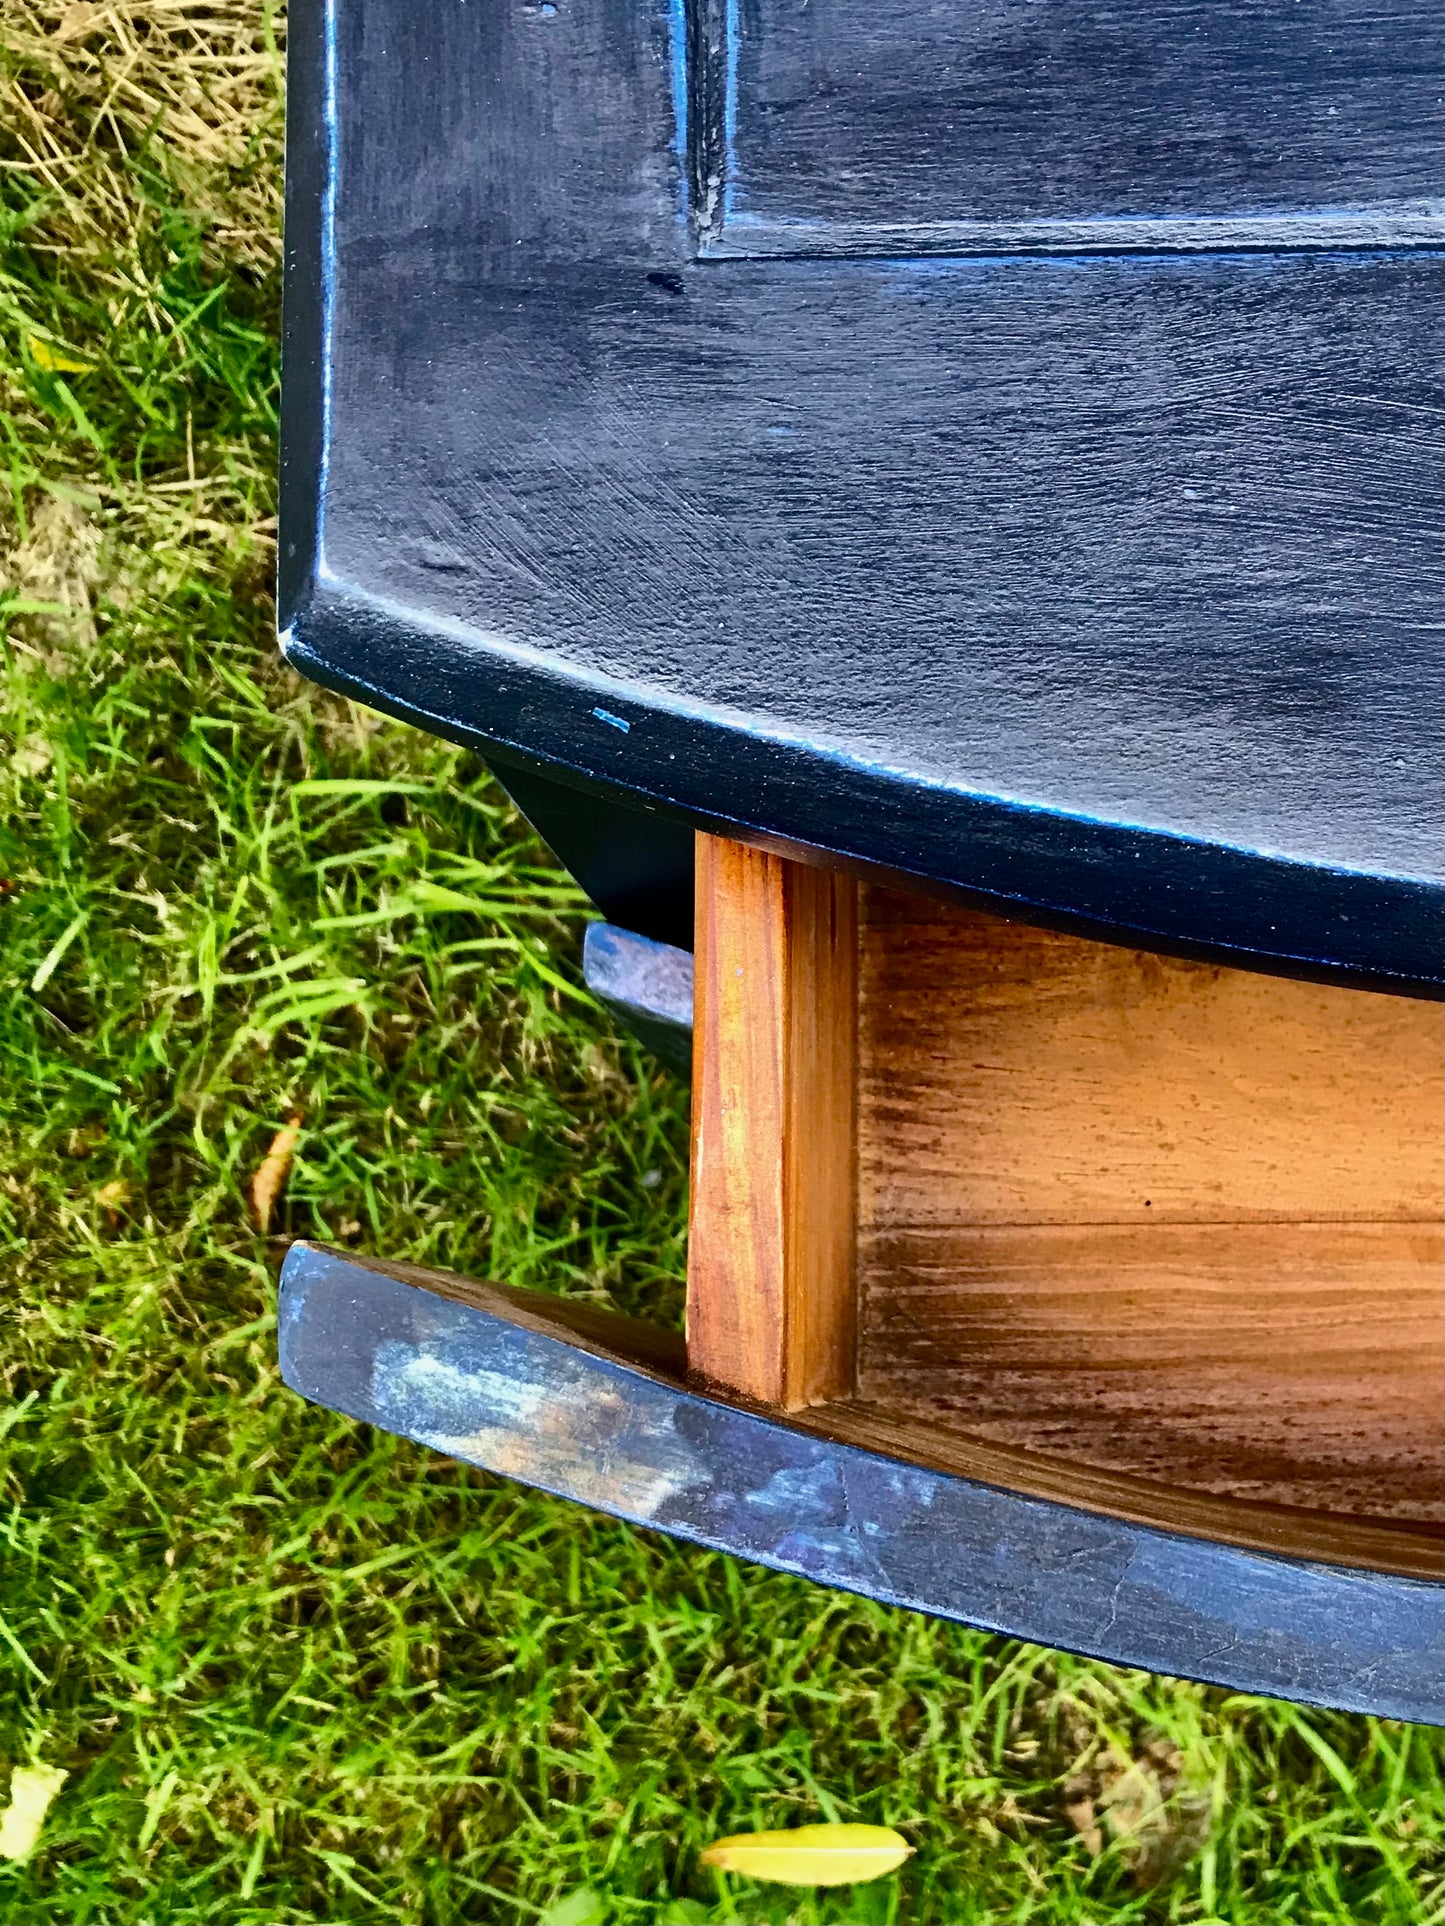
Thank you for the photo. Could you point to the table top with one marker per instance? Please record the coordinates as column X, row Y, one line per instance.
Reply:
column 1096, row 578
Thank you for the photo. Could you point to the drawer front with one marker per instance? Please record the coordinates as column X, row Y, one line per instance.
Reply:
column 848, row 116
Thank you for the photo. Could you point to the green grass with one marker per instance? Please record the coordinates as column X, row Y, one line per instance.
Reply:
column 297, row 1671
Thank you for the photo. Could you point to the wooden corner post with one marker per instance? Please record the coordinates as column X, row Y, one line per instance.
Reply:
column 770, row 1274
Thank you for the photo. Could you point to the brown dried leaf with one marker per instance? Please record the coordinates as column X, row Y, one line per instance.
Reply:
column 1156, row 1820
column 58, row 566
column 1132, row 1800
column 272, row 1172
column 1167, row 1835
column 1080, row 1813
column 77, row 19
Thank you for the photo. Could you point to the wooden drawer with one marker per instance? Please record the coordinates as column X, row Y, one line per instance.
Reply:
column 1166, row 1235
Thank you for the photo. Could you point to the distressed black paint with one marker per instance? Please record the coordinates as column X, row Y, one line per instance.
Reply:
column 648, row 985
column 856, row 114
column 1107, row 590
column 503, row 1392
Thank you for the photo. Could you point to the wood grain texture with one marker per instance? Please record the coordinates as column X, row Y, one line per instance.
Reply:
column 1165, row 1219
column 1299, row 1364
column 1015, row 1076
column 849, row 113
column 770, row 1291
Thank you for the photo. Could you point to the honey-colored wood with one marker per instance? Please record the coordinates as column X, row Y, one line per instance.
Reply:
column 1152, row 1217
column 1015, row 1076
column 770, row 1295
column 1124, row 1223
column 1295, row 1363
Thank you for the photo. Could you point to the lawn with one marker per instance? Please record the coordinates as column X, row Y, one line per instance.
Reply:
column 295, row 1670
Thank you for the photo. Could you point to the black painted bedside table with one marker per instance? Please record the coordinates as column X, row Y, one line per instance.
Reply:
column 935, row 515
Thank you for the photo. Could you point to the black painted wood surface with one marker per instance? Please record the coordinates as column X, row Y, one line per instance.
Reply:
column 839, row 118
column 647, row 985
column 493, row 1378
column 1104, row 588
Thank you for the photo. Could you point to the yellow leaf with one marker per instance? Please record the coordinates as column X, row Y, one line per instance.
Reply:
column 811, row 1855
column 53, row 360
column 32, row 1789
column 272, row 1172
